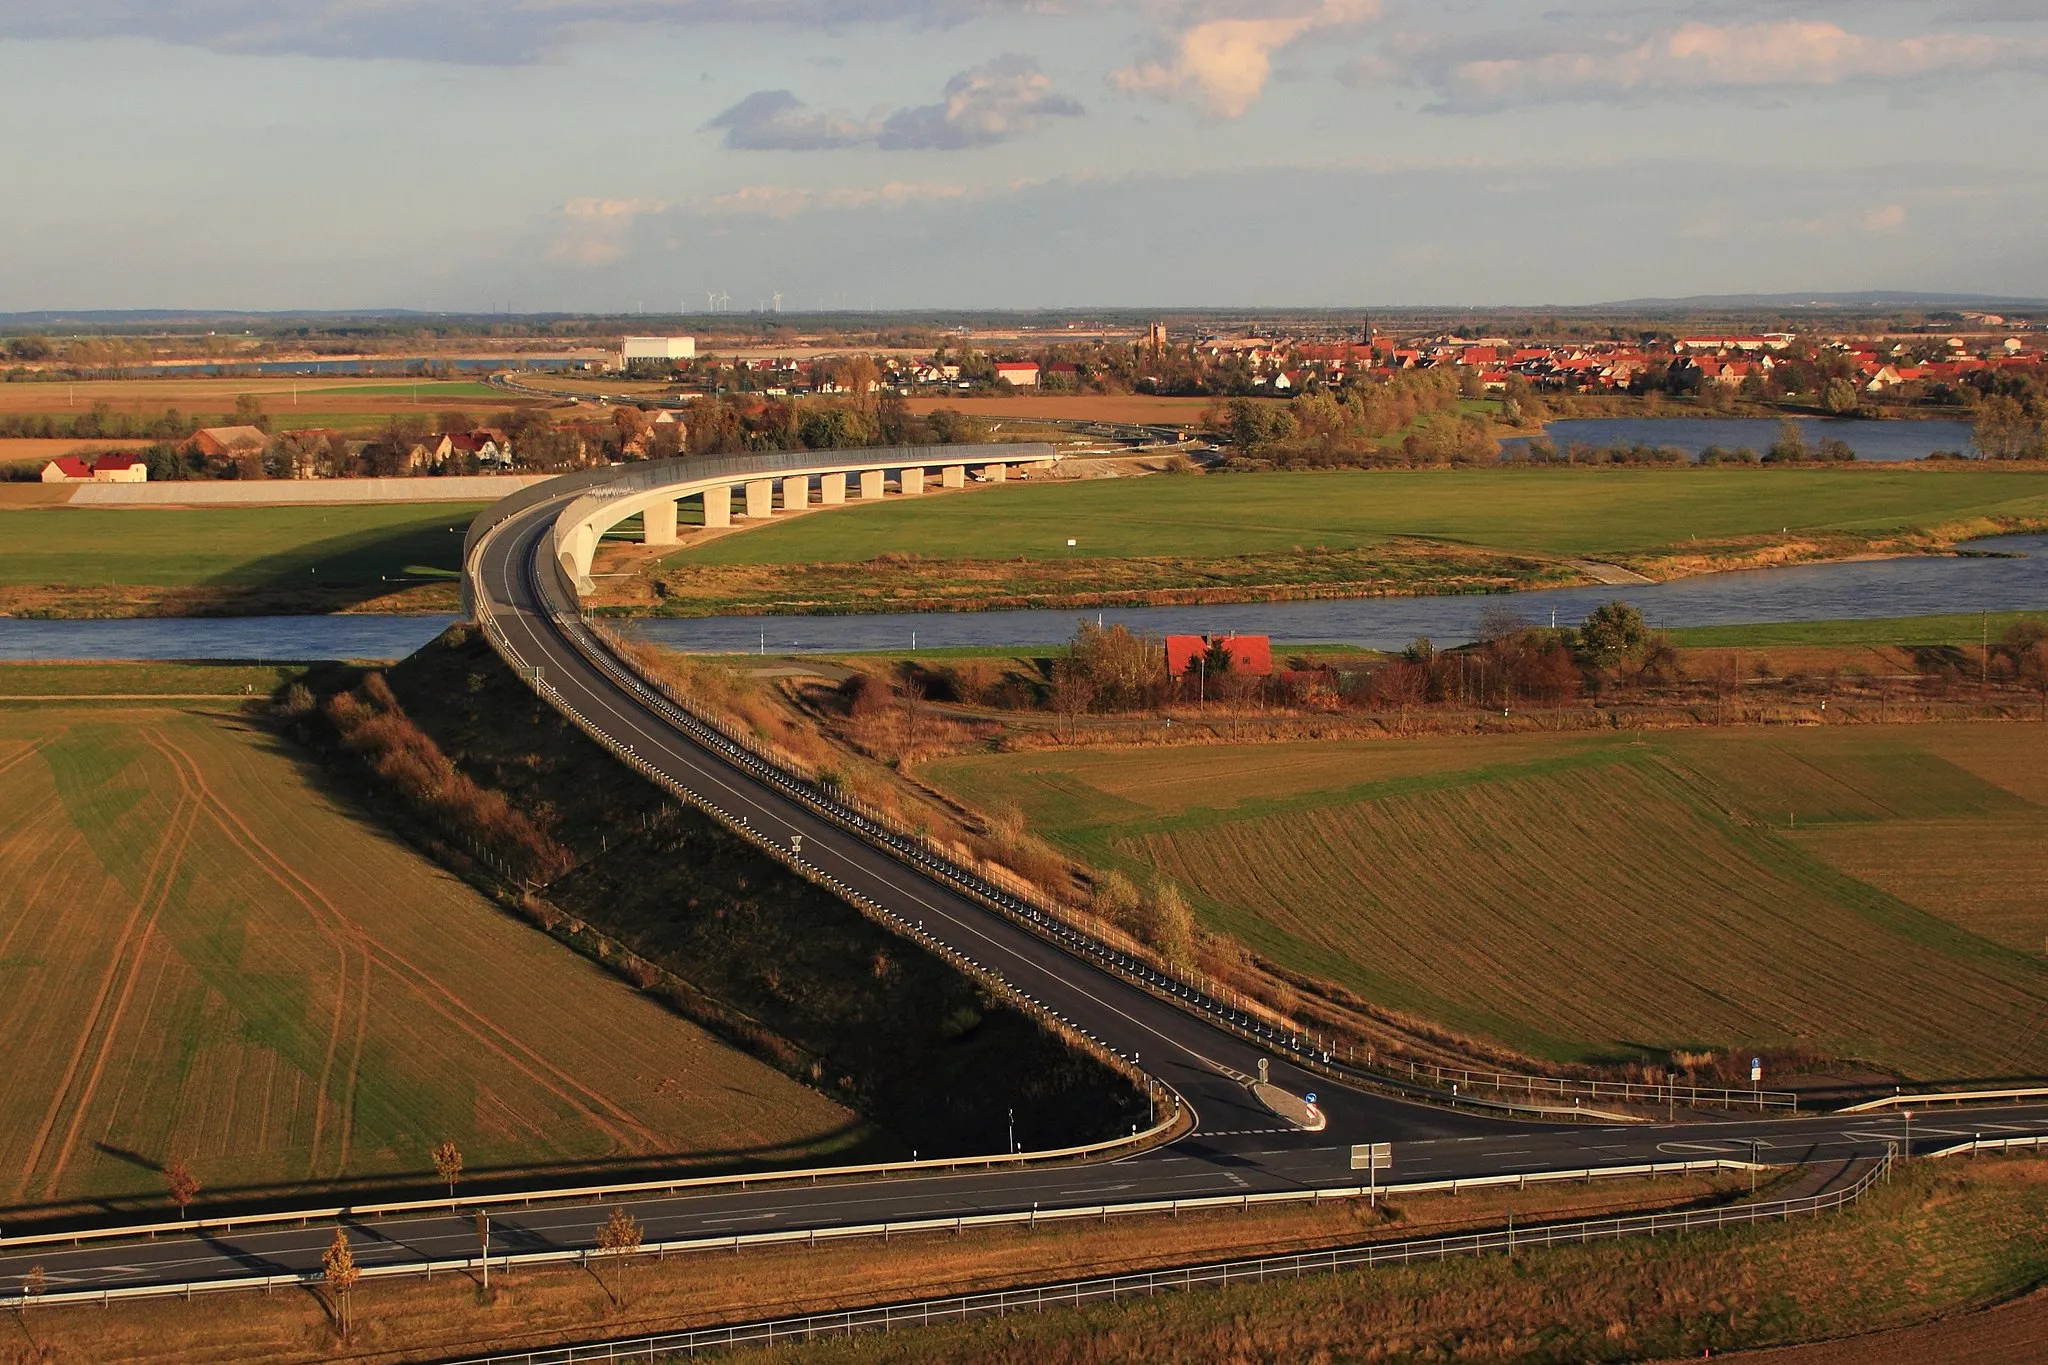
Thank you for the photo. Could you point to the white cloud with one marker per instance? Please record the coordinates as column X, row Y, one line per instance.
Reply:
column 1887, row 219
column 1709, row 57
column 991, row 103
column 1222, row 64
column 597, row 230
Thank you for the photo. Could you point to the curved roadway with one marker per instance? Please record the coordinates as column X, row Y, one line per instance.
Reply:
column 1236, row 1145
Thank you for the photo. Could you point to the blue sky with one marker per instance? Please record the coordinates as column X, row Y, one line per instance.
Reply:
column 612, row 154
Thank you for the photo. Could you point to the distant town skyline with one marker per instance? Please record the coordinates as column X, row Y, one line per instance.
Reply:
column 621, row 155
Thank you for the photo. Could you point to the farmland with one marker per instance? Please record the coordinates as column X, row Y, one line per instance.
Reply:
column 121, row 561
column 1862, row 893
column 225, row 967
column 1247, row 537
column 318, row 401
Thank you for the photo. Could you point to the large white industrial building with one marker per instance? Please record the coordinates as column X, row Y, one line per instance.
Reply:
column 657, row 348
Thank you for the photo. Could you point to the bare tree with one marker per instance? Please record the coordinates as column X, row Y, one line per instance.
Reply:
column 32, row 1286
column 338, row 1268
column 448, row 1165
column 1072, row 694
column 619, row 1237
column 182, row 1184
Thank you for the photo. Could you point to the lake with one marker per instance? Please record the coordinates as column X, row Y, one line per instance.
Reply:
column 1879, row 442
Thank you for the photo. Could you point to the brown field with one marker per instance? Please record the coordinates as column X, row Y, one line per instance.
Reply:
column 413, row 1320
column 1856, row 893
column 319, row 400
column 219, row 963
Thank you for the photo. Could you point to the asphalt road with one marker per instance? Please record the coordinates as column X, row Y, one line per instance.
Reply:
column 1237, row 1146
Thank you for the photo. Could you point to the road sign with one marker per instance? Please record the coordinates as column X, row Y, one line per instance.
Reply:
column 1756, row 1070
column 1310, row 1097
column 1372, row 1156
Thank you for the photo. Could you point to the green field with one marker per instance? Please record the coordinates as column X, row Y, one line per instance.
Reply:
column 204, row 957
column 1550, row 512
column 1968, row 628
column 232, row 546
column 143, row 679
column 1862, row 893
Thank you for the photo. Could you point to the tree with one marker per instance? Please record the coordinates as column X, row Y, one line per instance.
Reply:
column 249, row 413
column 1169, row 924
column 1611, row 633
column 448, row 1165
column 182, row 1184
column 32, row 1286
column 1839, row 396
column 338, row 1268
column 1790, row 447
column 2004, row 430
column 1117, row 901
column 618, row 1238
column 1072, row 694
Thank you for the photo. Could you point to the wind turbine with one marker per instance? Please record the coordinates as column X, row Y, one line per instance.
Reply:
column 724, row 299
column 778, row 301
column 711, row 300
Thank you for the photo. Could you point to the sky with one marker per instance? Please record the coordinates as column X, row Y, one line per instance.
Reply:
column 614, row 155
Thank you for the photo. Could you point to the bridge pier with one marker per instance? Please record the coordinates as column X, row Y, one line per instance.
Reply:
column 760, row 499
column 831, row 489
column 718, row 506
column 953, row 476
column 872, row 484
column 658, row 523
column 995, row 473
column 912, row 482
column 796, row 493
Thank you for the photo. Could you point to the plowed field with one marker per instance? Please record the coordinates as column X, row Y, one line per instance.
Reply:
column 204, row 957
column 1864, row 893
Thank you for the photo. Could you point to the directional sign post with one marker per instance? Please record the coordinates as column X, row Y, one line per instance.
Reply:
column 1372, row 1158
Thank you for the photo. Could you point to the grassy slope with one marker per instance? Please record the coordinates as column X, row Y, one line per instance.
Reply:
column 143, row 679
column 1933, row 1242
column 1588, row 895
column 793, row 970
column 1552, row 512
column 238, row 546
column 223, row 964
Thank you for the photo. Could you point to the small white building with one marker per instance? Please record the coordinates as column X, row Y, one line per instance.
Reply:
column 656, row 348
column 1022, row 374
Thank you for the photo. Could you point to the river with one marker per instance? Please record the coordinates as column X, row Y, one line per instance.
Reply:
column 1991, row 580
column 1878, row 442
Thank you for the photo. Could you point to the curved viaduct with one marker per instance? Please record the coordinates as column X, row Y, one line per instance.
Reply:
column 522, row 560
column 756, row 487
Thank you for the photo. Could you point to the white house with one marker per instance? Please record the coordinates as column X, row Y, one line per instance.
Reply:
column 1022, row 374
column 656, row 348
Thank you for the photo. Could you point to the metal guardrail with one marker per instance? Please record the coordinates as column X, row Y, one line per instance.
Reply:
column 1979, row 1145
column 1947, row 1097
column 1564, row 1087
column 813, row 1236
column 1147, row 1284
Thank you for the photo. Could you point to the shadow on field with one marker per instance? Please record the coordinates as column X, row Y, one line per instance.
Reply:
column 340, row 572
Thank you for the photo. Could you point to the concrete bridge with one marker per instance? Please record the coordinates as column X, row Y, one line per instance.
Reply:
column 756, row 488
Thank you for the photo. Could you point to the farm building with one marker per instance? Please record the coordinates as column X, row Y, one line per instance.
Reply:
column 104, row 469
column 1251, row 654
column 1022, row 374
column 219, row 443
